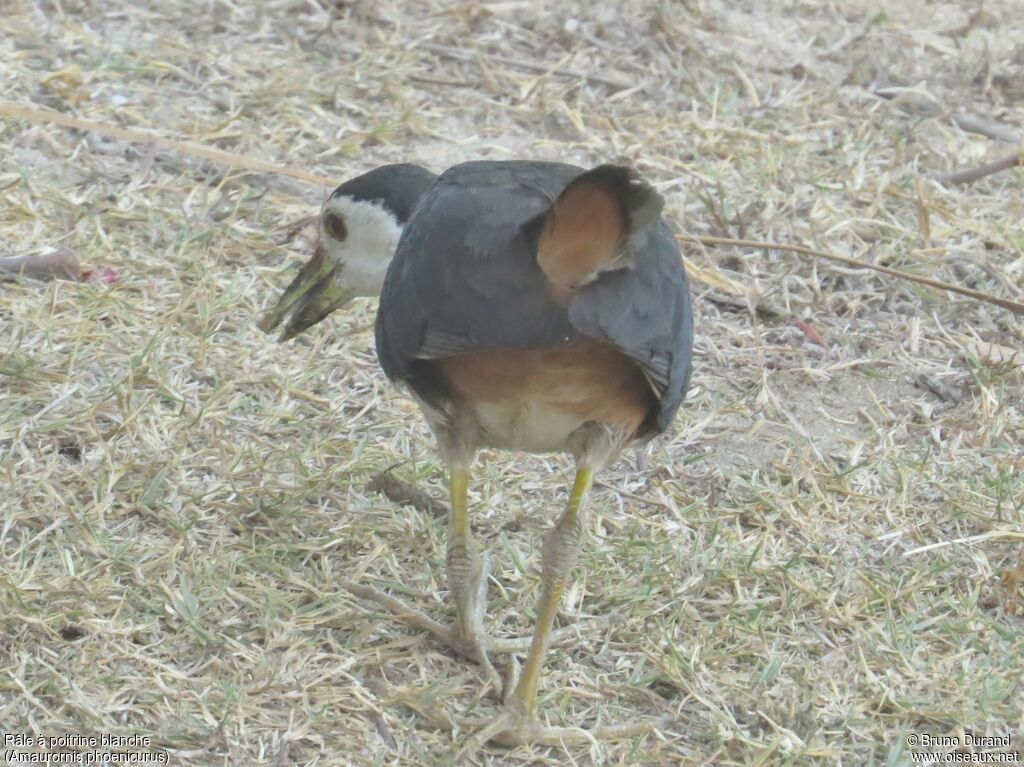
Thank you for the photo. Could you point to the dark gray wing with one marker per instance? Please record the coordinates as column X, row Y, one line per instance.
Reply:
column 645, row 312
column 465, row 278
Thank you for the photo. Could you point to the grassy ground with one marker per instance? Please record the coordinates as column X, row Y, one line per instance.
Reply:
column 181, row 493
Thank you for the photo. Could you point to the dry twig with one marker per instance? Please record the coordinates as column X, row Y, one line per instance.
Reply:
column 1017, row 307
column 986, row 128
column 402, row 492
column 190, row 148
column 531, row 66
column 940, row 389
column 61, row 263
column 975, row 174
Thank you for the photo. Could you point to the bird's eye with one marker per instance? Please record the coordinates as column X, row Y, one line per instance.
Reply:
column 335, row 226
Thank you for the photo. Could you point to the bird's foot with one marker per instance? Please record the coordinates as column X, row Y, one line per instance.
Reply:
column 476, row 647
column 410, row 616
column 515, row 726
column 473, row 645
column 449, row 635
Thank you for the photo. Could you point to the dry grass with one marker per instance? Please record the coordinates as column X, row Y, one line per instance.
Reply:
column 181, row 492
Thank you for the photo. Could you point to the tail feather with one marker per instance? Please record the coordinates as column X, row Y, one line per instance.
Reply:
column 586, row 231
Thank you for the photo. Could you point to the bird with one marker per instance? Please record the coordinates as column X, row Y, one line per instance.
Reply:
column 528, row 306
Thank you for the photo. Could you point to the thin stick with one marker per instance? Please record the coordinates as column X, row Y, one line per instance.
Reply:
column 60, row 263
column 1016, row 307
column 967, row 176
column 401, row 492
column 963, row 121
column 531, row 66
column 985, row 128
column 144, row 137
column 632, row 496
column 440, row 81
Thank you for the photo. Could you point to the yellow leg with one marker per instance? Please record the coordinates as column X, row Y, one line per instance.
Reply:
column 517, row 723
column 465, row 571
column 458, row 488
column 467, row 579
column 561, row 550
column 468, row 570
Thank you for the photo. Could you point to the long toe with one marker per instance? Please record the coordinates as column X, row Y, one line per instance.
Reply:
column 475, row 647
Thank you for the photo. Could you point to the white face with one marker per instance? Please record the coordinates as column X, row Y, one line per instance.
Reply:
column 360, row 238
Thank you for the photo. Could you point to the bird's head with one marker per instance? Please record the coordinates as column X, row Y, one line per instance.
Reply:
column 359, row 227
column 356, row 242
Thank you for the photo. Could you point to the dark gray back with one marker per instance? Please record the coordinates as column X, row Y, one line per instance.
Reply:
column 465, row 278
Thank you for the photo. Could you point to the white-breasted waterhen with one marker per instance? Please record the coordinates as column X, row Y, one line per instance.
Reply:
column 529, row 306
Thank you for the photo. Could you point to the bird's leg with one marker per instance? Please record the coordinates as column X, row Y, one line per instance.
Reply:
column 558, row 557
column 467, row 579
column 517, row 722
